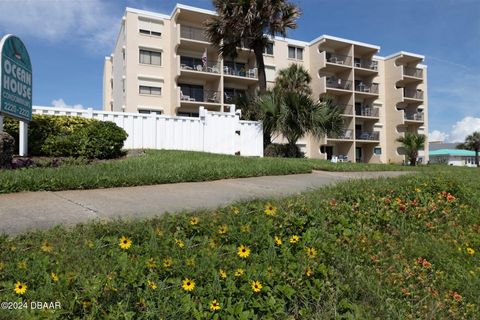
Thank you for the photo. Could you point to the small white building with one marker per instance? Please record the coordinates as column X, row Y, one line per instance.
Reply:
column 453, row 157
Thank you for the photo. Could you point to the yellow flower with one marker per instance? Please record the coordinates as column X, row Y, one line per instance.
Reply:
column 151, row 284
column 167, row 263
column 215, row 305
column 20, row 288
column 22, row 265
column 278, row 241
column 89, row 244
column 86, row 304
column 270, row 210
column 309, row 272
column 151, row 263
column 222, row 274
column 212, row 243
column 188, row 284
column 311, row 252
column 417, row 190
column 470, row 251
column 159, row 231
column 245, row 228
column 294, row 239
column 54, row 276
column 223, row 229
column 235, row 210
column 180, row 243
column 243, row 251
column 125, row 243
column 239, row 272
column 190, row 262
column 194, row 221
column 256, row 286
column 46, row 247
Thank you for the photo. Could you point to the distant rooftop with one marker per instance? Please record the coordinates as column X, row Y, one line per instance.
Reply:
column 452, row 152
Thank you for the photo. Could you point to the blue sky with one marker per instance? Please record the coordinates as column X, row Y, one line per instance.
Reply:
column 69, row 39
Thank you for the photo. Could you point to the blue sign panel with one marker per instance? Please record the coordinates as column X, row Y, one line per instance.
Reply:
column 15, row 79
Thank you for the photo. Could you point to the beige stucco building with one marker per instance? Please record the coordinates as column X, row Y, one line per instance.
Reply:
column 164, row 64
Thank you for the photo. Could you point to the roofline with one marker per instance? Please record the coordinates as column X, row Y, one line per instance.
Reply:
column 148, row 13
column 363, row 44
column 406, row 53
column 292, row 41
column 196, row 9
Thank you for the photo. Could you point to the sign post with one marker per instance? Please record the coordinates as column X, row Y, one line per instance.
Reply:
column 16, row 86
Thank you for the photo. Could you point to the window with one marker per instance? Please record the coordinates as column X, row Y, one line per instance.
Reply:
column 377, row 151
column 150, row 27
column 188, row 114
column 156, row 91
column 269, row 48
column 192, row 91
column 270, row 73
column 150, row 57
column 148, row 111
column 295, row 53
column 231, row 94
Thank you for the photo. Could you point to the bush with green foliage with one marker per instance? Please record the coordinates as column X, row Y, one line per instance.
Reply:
column 7, row 144
column 283, row 151
column 66, row 136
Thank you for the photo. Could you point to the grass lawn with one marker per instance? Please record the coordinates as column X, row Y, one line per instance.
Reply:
column 156, row 167
column 403, row 248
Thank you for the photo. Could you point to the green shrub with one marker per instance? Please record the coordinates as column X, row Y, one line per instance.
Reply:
column 283, row 150
column 44, row 126
column 96, row 140
column 7, row 144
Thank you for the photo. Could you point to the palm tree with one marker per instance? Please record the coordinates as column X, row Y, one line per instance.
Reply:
column 248, row 23
column 412, row 142
column 293, row 115
column 294, row 78
column 472, row 142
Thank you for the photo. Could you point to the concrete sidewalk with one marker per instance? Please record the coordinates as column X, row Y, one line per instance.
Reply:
column 20, row 212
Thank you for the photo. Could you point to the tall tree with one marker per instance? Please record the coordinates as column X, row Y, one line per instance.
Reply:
column 295, row 78
column 472, row 142
column 248, row 23
column 412, row 143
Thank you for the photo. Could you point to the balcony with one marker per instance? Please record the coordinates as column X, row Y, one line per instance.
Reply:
column 345, row 135
column 413, row 94
column 346, row 109
column 196, row 96
column 367, row 112
column 338, row 59
column 413, row 72
column 240, row 72
column 367, row 64
column 364, row 87
column 198, row 65
column 192, row 33
column 339, row 83
column 367, row 135
column 413, row 117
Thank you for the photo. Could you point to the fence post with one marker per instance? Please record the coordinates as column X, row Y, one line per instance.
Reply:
column 89, row 113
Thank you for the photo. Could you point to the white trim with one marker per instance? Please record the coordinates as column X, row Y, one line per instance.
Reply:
column 292, row 41
column 190, row 8
column 151, row 14
column 405, row 53
column 327, row 37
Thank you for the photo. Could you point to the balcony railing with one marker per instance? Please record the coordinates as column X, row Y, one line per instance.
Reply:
column 347, row 134
column 367, row 64
column 346, row 109
column 413, row 72
column 413, row 94
column 338, row 59
column 367, row 112
column 367, row 135
column 339, row 83
column 242, row 72
column 367, row 87
column 200, row 95
column 209, row 66
column 193, row 33
column 414, row 116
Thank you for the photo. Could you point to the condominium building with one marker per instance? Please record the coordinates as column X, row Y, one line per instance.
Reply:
column 164, row 64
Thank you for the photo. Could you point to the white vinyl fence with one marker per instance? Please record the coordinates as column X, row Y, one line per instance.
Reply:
column 216, row 132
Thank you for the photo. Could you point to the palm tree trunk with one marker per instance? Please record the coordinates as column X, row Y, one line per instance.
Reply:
column 262, row 80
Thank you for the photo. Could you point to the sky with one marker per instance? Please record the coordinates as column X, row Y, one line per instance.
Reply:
column 69, row 39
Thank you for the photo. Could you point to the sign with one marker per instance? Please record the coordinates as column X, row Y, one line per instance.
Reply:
column 15, row 79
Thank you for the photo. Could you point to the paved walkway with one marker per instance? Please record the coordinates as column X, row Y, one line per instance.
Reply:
column 20, row 212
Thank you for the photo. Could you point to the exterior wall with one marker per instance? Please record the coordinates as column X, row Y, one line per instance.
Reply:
column 182, row 35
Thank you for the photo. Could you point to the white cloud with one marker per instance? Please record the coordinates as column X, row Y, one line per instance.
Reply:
column 60, row 103
column 90, row 23
column 436, row 135
column 463, row 128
